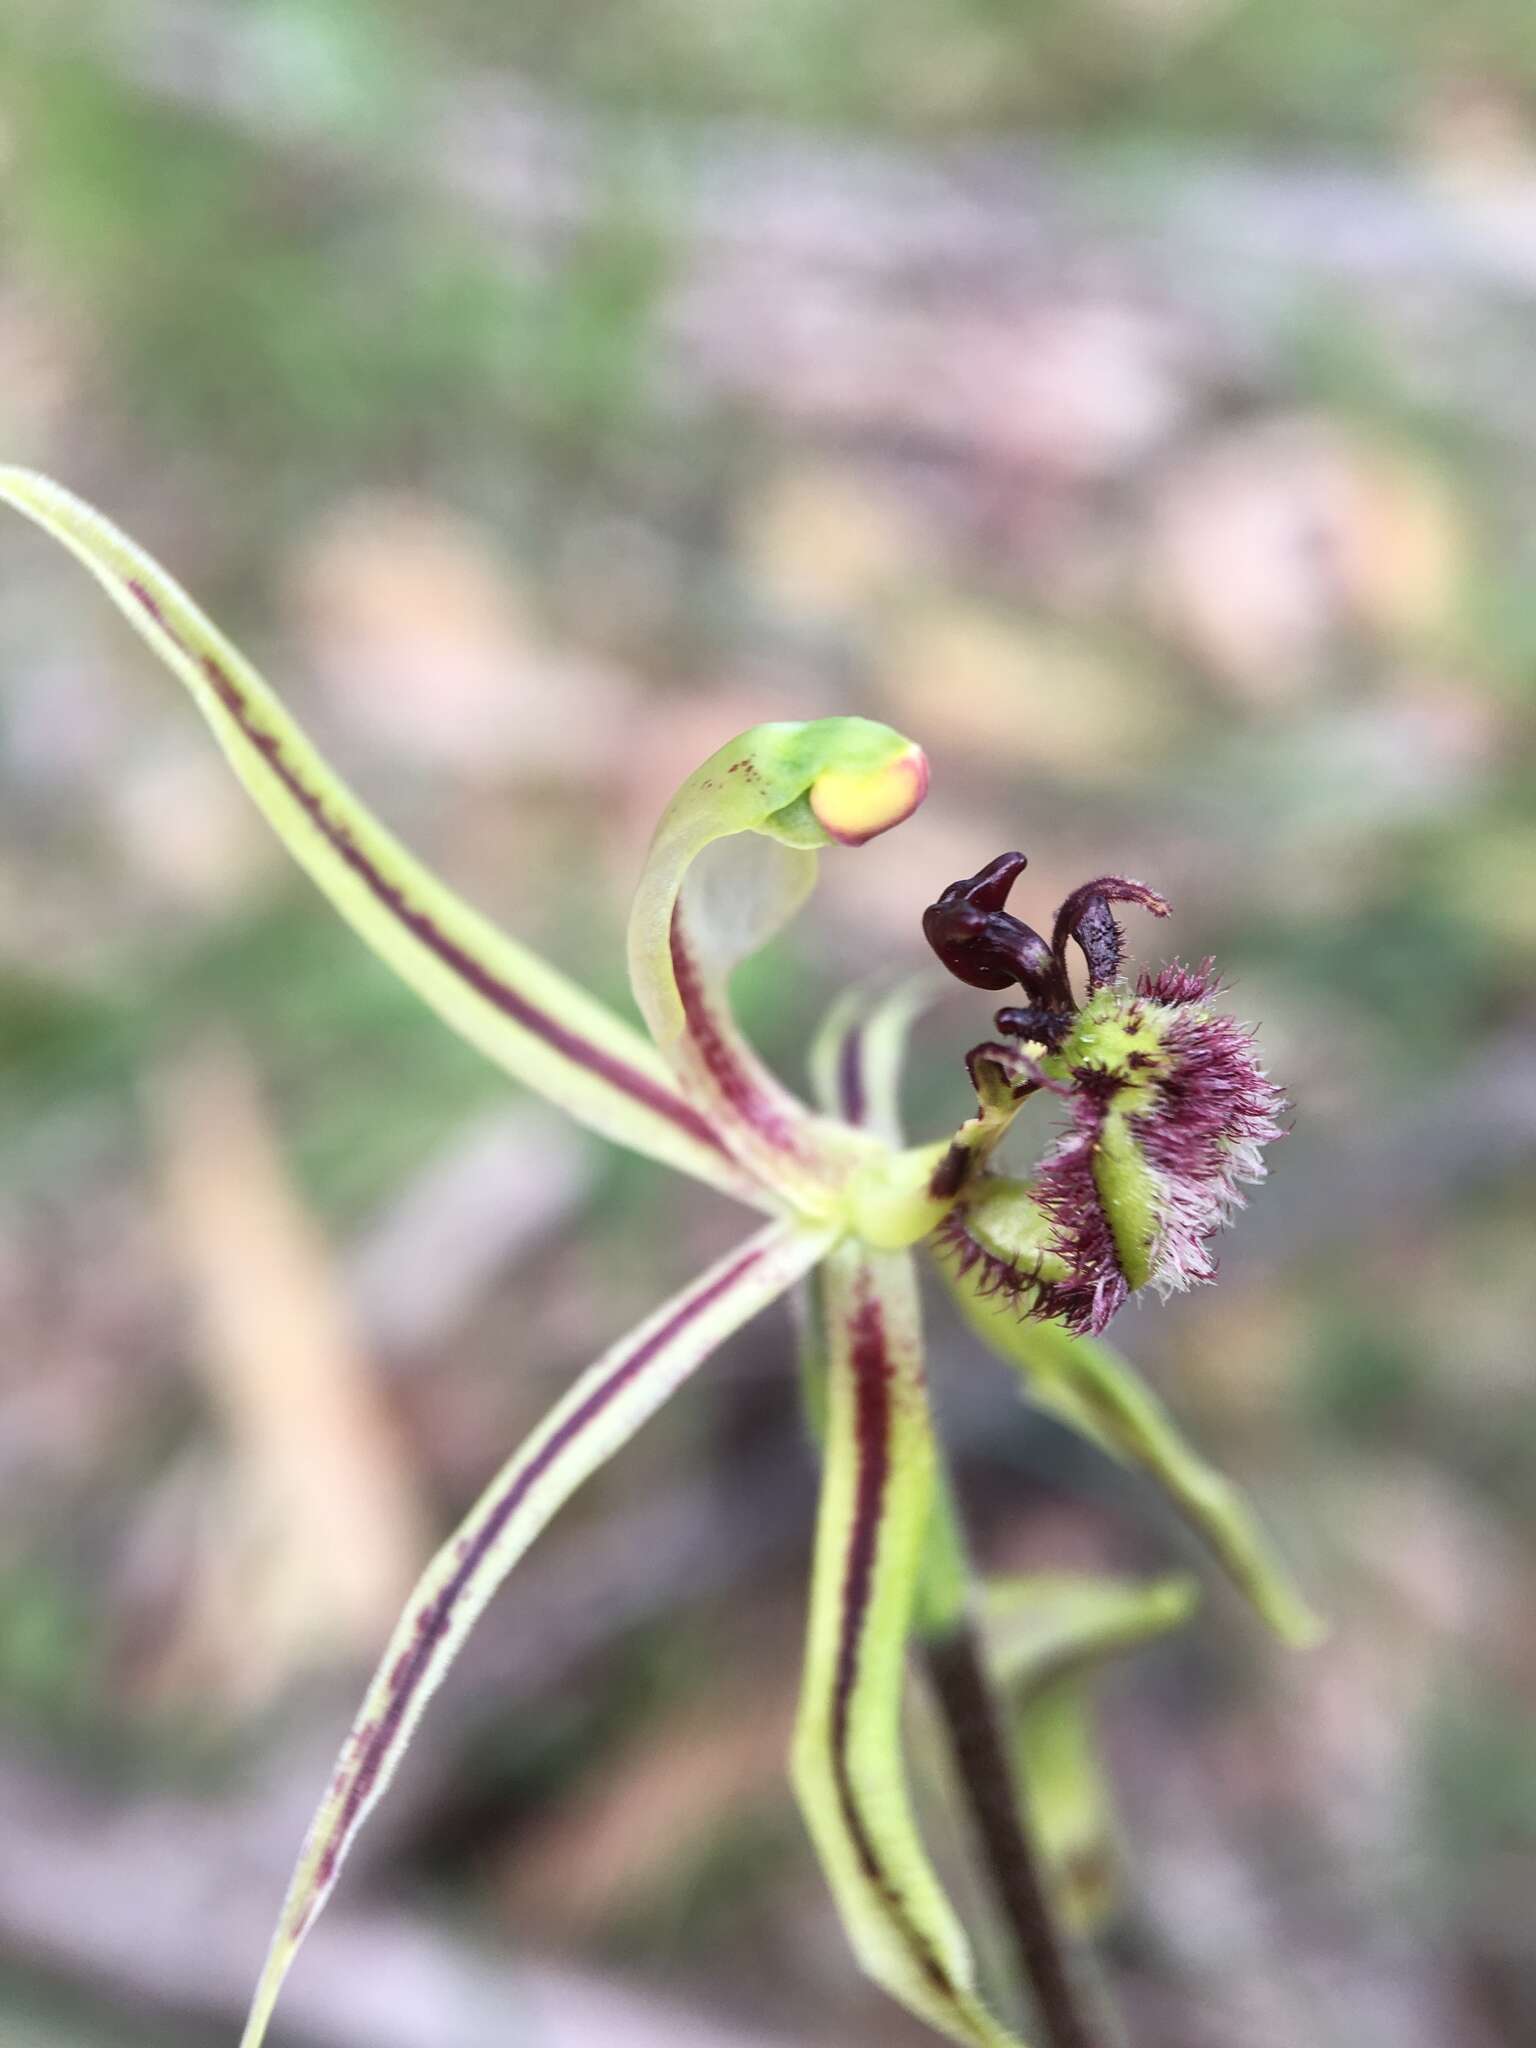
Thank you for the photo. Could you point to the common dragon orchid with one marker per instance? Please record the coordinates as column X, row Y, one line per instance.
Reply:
column 1166, row 1110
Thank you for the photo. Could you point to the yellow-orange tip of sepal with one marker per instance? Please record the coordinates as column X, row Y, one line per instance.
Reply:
column 854, row 805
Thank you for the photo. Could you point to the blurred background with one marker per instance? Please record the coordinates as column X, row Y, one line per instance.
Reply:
column 1131, row 399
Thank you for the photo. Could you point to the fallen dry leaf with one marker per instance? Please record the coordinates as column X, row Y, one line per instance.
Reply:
column 313, row 1525
column 825, row 540
column 649, row 1811
column 1010, row 691
column 426, row 637
column 1268, row 542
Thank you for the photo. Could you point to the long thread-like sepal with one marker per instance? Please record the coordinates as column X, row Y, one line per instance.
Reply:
column 597, row 1417
column 522, row 1013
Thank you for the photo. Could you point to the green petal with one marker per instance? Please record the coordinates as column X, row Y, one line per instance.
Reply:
column 856, row 1061
column 526, row 1016
column 597, row 1417
column 1090, row 1386
column 877, row 1491
column 857, row 1055
column 733, row 858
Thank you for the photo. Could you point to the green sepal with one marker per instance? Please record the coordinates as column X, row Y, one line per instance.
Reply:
column 596, row 1417
column 732, row 860
column 1091, row 1387
column 532, row 1020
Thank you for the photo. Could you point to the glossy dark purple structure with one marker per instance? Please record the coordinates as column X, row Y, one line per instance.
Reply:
column 983, row 945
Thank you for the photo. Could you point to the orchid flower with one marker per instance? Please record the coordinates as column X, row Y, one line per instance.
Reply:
column 1166, row 1112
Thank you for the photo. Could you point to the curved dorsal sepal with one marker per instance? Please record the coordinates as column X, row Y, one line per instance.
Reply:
column 732, row 860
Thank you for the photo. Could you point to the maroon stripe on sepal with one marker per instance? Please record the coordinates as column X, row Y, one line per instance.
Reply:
column 602, row 1065
column 870, row 1363
column 374, row 1741
column 852, row 1097
column 736, row 1082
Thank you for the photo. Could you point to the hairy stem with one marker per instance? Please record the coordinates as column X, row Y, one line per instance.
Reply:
column 1019, row 1884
